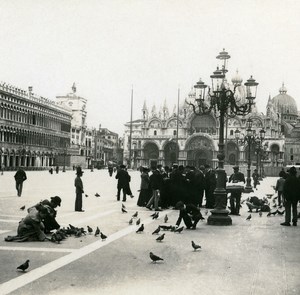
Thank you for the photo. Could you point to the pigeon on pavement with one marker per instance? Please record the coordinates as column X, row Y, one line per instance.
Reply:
column 24, row 266
column 160, row 238
column 123, row 210
column 97, row 195
column 179, row 229
column 249, row 217
column 280, row 212
column 90, row 230
column 166, row 218
column 135, row 214
column 22, row 208
column 195, row 246
column 130, row 221
column 260, row 214
column 156, row 215
column 97, row 232
column 86, row 195
column 154, row 258
column 156, row 231
column 138, row 221
column 103, row 236
column 140, row 229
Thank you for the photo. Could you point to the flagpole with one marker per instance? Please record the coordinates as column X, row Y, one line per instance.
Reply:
column 177, row 146
column 130, row 132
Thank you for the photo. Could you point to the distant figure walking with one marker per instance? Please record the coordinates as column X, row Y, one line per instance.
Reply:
column 57, row 169
column 20, row 177
column 79, row 190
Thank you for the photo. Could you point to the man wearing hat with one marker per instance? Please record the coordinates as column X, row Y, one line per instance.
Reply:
column 255, row 177
column 79, row 190
column 49, row 220
column 235, row 196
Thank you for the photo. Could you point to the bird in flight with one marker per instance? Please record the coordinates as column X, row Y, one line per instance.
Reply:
column 24, row 266
column 154, row 258
column 195, row 246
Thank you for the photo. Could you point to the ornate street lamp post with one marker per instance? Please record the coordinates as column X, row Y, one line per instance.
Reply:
column 249, row 139
column 221, row 100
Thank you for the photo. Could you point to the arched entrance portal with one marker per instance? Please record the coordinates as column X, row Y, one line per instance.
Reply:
column 151, row 154
column 170, row 153
column 199, row 151
column 232, row 153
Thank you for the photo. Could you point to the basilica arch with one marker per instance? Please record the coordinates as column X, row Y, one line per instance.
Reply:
column 170, row 153
column 232, row 153
column 151, row 154
column 199, row 150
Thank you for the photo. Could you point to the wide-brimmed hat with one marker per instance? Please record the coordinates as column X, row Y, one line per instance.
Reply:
column 79, row 171
column 56, row 200
column 236, row 167
column 122, row 166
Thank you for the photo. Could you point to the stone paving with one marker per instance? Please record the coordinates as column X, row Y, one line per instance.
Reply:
column 250, row 257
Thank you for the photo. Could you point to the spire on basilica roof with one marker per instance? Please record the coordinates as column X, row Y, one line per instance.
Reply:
column 74, row 88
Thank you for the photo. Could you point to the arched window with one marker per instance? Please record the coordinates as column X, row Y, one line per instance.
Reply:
column 174, row 132
column 231, row 132
column 155, row 132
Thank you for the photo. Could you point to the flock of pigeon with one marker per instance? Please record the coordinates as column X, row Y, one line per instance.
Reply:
column 71, row 230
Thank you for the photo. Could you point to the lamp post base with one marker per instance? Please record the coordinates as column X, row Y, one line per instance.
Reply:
column 248, row 189
column 219, row 217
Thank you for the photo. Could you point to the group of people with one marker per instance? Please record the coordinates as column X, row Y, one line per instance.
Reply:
column 164, row 187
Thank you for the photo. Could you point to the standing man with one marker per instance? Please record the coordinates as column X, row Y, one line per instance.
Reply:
column 79, row 190
column 20, row 177
column 235, row 196
column 156, row 181
column 255, row 177
column 210, row 186
column 123, row 182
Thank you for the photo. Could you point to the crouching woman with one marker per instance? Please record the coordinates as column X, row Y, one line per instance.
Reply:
column 31, row 228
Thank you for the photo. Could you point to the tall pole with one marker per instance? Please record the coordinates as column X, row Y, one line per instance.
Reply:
column 248, row 187
column 130, row 132
column 177, row 146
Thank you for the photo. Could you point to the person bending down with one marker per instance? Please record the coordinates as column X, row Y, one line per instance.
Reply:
column 189, row 213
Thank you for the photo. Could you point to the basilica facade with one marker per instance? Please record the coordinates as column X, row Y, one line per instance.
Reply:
column 162, row 136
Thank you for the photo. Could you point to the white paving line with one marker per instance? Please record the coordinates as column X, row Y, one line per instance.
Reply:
column 36, row 249
column 2, row 231
column 9, row 220
column 39, row 272
column 18, row 216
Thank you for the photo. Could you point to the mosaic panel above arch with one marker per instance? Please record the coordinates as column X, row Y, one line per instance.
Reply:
column 173, row 123
column 204, row 123
column 155, row 124
column 200, row 143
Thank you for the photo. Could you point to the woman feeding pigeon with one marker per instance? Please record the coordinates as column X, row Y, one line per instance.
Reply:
column 31, row 228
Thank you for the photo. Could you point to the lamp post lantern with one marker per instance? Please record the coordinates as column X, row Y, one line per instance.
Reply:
column 221, row 99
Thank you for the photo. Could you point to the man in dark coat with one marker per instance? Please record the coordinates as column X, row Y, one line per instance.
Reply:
column 199, row 186
column 20, row 177
column 291, row 194
column 156, row 182
column 123, row 182
column 210, row 186
column 189, row 213
column 79, row 190
column 235, row 196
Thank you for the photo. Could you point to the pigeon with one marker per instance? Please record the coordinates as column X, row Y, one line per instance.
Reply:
column 156, row 215
column 273, row 213
column 269, row 214
column 90, row 230
column 138, row 221
column 24, row 266
column 154, row 258
column 173, row 228
column 130, row 221
column 280, row 212
column 195, row 246
column 22, row 208
column 249, row 217
column 160, row 238
column 260, row 214
column 123, row 206
column 179, row 230
column 156, row 231
column 140, row 229
column 97, row 232
column 123, row 210
column 166, row 218
column 153, row 214
column 103, row 236
column 97, row 195
column 165, row 227
column 86, row 195
column 135, row 214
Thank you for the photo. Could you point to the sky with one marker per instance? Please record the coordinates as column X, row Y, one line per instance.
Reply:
column 154, row 47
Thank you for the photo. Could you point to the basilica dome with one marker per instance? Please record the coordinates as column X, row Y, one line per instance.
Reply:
column 285, row 104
